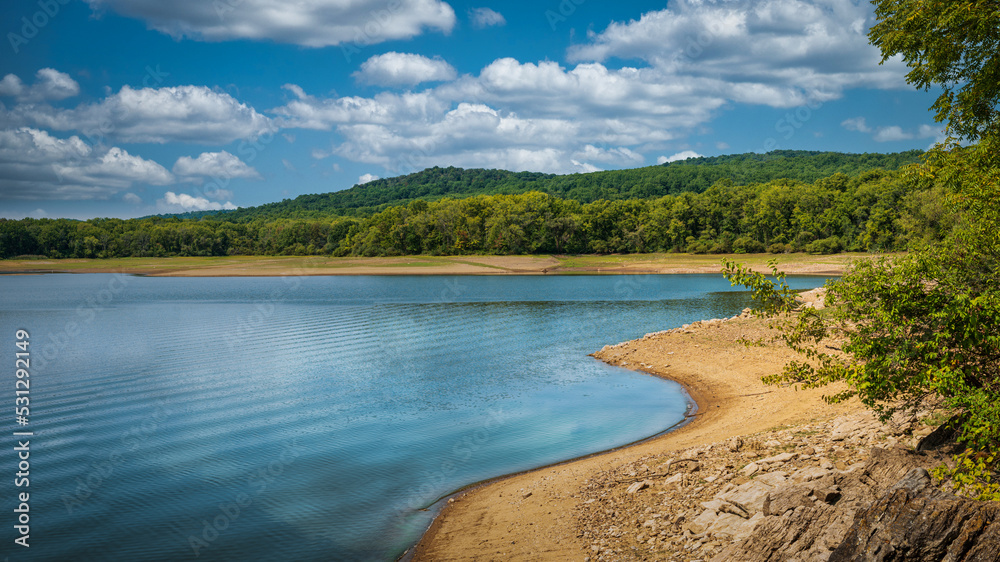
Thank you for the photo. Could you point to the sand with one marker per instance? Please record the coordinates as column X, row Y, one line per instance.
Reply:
column 243, row 266
column 530, row 516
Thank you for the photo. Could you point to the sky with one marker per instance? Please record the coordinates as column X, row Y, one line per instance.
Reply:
column 126, row 108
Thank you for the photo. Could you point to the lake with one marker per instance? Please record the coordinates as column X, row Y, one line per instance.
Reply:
column 315, row 418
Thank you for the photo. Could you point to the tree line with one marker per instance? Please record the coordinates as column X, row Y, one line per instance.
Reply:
column 693, row 174
column 877, row 210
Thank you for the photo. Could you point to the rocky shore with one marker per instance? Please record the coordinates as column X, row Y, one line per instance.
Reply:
column 760, row 474
column 789, row 494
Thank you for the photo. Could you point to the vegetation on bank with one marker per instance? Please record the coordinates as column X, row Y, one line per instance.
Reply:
column 673, row 178
column 926, row 324
column 876, row 210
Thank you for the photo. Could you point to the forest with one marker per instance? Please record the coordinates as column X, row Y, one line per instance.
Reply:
column 874, row 210
column 693, row 174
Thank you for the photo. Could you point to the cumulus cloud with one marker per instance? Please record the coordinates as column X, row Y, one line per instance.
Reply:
column 856, row 124
column 515, row 116
column 682, row 66
column 215, row 165
column 781, row 53
column 365, row 178
column 132, row 198
column 403, row 69
column 50, row 84
column 36, row 165
column 892, row 133
column 683, row 155
column 310, row 23
column 485, row 17
column 183, row 203
column 195, row 114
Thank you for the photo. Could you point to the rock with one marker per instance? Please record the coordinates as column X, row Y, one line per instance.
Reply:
column 637, row 486
column 805, row 533
column 715, row 504
column 734, row 444
column 675, row 479
column 751, row 469
column 772, row 478
column 827, row 495
column 913, row 521
column 846, row 427
column 726, row 524
column 810, row 473
column 736, row 510
column 778, row 459
column 699, row 524
column 749, row 495
column 786, row 498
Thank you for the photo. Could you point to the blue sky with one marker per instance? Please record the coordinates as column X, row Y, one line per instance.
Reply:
column 126, row 108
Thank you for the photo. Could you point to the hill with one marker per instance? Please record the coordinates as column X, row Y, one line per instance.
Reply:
column 694, row 174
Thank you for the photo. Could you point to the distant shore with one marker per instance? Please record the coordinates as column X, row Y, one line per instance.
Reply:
column 530, row 516
column 254, row 266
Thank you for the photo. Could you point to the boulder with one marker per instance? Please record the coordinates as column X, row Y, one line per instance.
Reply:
column 750, row 495
column 914, row 521
column 787, row 498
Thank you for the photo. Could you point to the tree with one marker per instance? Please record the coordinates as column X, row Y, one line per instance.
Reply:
column 928, row 323
column 954, row 44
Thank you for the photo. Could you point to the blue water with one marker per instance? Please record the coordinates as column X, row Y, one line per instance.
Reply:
column 313, row 418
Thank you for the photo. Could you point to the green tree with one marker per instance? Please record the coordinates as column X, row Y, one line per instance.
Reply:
column 928, row 323
column 954, row 44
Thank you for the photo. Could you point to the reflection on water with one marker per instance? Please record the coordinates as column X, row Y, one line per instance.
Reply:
column 314, row 418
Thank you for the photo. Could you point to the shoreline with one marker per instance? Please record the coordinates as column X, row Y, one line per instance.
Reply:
column 530, row 515
column 265, row 266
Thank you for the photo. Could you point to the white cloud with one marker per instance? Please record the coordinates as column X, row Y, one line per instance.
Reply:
column 50, row 84
column 195, row 114
column 683, row 155
column 403, row 69
column 722, row 145
column 682, row 66
column 856, row 124
column 288, row 165
column 221, row 165
column 132, row 198
column 36, row 165
column 183, row 203
column 311, row 23
column 892, row 133
column 218, row 194
column 485, row 17
column 365, row 178
column 781, row 53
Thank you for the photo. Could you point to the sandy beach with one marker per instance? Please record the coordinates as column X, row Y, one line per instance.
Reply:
column 531, row 516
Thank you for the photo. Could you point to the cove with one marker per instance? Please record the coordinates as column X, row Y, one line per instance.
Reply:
column 318, row 418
